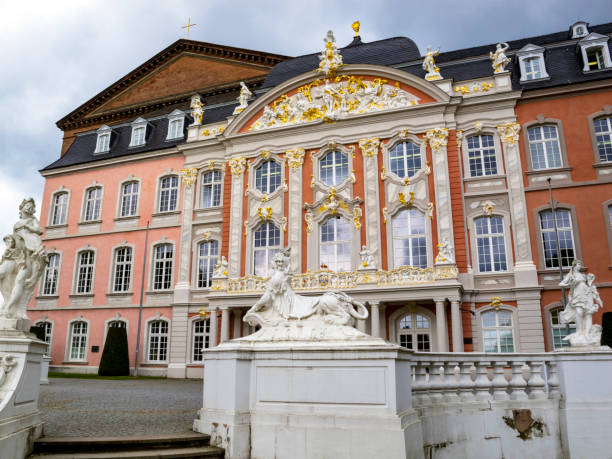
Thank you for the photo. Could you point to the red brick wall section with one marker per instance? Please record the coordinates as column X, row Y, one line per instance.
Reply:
column 454, row 173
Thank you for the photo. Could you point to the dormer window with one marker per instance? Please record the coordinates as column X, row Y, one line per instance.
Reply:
column 595, row 53
column 139, row 132
column 531, row 63
column 580, row 29
column 103, row 141
column 176, row 121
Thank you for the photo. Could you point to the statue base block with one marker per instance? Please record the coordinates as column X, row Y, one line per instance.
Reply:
column 310, row 399
column 21, row 324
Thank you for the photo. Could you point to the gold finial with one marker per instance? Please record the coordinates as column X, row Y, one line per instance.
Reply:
column 189, row 24
column 355, row 27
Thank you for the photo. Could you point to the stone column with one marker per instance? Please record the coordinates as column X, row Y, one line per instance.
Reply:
column 237, row 167
column 177, row 366
column 457, row 326
column 438, row 139
column 295, row 159
column 383, row 321
column 361, row 325
column 237, row 319
column 213, row 327
column 224, row 323
column 369, row 149
column 441, row 328
column 375, row 313
column 183, row 286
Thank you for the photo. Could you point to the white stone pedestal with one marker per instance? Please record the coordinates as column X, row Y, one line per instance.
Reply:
column 585, row 414
column 44, row 370
column 20, row 420
column 310, row 400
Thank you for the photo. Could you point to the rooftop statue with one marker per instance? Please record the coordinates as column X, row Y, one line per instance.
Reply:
column 429, row 65
column 330, row 59
column 243, row 98
column 583, row 301
column 197, row 110
column 499, row 60
column 286, row 316
column 22, row 264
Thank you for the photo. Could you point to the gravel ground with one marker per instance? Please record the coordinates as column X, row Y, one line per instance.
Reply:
column 107, row 408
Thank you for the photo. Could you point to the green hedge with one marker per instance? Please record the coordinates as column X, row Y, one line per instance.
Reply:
column 606, row 334
column 115, row 359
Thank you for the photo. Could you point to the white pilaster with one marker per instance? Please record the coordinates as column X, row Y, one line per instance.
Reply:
column 177, row 367
column 237, row 313
column 375, row 313
column 438, row 139
column 182, row 288
column 295, row 159
column 237, row 167
column 224, row 324
column 456, row 326
column 214, row 326
column 441, row 328
column 371, row 199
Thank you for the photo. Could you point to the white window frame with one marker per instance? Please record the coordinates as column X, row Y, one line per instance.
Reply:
column 266, row 176
column 161, row 190
column 138, row 138
column 56, row 276
column 149, row 334
column 402, row 143
column 48, row 335
column 545, row 147
column 116, row 318
column 577, row 32
column 77, row 269
column 559, row 326
column 608, row 119
column 209, row 258
column 336, row 243
column 542, row 231
column 411, row 237
column 498, row 328
column 69, row 340
column 595, row 40
column 415, row 331
column 476, row 236
column 214, row 185
column 154, row 261
column 270, row 250
column 87, row 201
column 319, row 166
column 176, row 118
column 114, row 266
column 205, row 337
column 531, row 51
column 480, row 149
column 54, row 207
column 103, row 139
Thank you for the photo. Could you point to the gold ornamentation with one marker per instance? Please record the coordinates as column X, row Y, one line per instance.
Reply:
column 496, row 302
column 437, row 138
column 265, row 154
column 203, row 313
column 312, row 181
column 385, row 214
column 509, row 132
column 295, row 158
column 357, row 217
column 355, row 27
column 284, row 224
column 209, row 132
column 383, row 174
column 308, row 218
column 206, row 235
column 246, row 227
column 462, row 89
column 459, row 137
column 369, row 146
column 330, row 59
column 333, row 204
column 430, row 209
column 402, row 198
column 478, row 126
column 488, row 207
column 265, row 214
column 188, row 176
column 402, row 133
column 211, row 165
column 484, row 87
column 237, row 165
column 429, row 65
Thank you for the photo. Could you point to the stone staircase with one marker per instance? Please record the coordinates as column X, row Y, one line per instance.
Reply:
column 193, row 445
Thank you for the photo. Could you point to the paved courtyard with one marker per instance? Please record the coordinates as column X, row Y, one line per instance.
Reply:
column 101, row 408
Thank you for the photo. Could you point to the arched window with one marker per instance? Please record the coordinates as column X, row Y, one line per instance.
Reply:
column 334, row 168
column 603, row 135
column 559, row 330
column 162, row 266
column 405, row 159
column 544, row 147
column 481, row 154
column 409, row 240
column 78, row 340
column 335, row 244
column 168, row 193
column 266, row 243
column 208, row 257
column 497, row 331
column 59, row 208
column 51, row 275
column 85, row 271
column 268, row 177
column 129, row 199
column 549, row 238
column 117, row 324
column 201, row 337
column 158, row 341
column 211, row 189
column 93, row 203
column 491, row 244
column 123, row 269
column 48, row 333
column 415, row 332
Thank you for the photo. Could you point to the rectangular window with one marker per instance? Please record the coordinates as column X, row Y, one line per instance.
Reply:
column 85, row 271
column 497, row 331
column 138, row 136
column 59, row 210
column 481, row 153
column 490, row 244
column 559, row 330
column 78, row 340
column 201, row 335
column 595, row 58
column 603, row 135
column 168, row 193
column 103, row 143
column 158, row 341
column 162, row 270
column 544, row 147
column 48, row 329
column 175, row 128
column 208, row 256
column 129, row 199
column 123, row 269
column 51, row 275
column 533, row 69
column 335, row 244
column 93, row 202
column 549, row 238
column 211, row 189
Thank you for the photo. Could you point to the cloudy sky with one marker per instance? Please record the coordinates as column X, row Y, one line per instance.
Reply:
column 57, row 54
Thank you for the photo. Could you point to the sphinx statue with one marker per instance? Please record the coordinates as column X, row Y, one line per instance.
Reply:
column 284, row 315
column 22, row 264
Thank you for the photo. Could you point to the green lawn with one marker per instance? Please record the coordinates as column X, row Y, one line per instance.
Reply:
column 53, row 374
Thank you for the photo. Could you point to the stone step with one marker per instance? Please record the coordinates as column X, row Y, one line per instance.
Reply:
column 166, row 453
column 83, row 445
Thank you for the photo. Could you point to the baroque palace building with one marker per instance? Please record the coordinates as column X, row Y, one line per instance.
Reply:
column 416, row 184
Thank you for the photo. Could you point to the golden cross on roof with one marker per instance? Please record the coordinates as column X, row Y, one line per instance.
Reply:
column 188, row 26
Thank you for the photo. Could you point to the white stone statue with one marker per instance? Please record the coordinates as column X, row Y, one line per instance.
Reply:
column 197, row 110
column 446, row 252
column 221, row 269
column 22, row 264
column 330, row 59
column 429, row 65
column 243, row 98
column 286, row 316
column 583, row 301
column 367, row 258
column 499, row 60
column 7, row 362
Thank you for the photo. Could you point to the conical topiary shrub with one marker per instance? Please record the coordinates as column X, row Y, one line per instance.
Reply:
column 115, row 360
column 606, row 332
column 39, row 332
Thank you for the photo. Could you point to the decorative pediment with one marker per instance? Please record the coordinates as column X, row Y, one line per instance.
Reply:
column 530, row 48
column 333, row 204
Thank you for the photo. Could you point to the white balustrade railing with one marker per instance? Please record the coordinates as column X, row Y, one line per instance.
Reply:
column 445, row 378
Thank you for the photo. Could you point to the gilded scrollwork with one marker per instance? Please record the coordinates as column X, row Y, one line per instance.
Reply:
column 437, row 138
column 309, row 219
column 295, row 158
column 188, row 176
column 369, row 147
column 509, row 132
column 357, row 217
column 237, row 165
